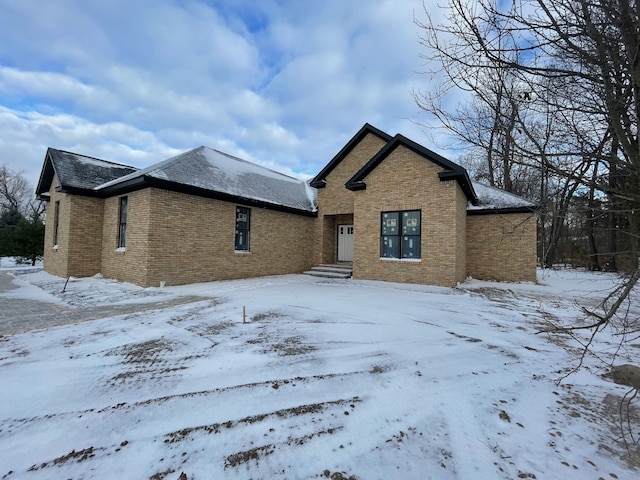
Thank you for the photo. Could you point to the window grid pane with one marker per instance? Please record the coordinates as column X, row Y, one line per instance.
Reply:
column 390, row 247
column 390, row 223
column 411, row 223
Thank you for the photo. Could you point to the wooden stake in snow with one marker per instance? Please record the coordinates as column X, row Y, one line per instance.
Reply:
column 244, row 315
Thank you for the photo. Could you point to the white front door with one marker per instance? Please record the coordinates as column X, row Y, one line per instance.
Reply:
column 345, row 243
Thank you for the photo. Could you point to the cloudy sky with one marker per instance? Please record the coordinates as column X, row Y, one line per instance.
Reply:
column 284, row 83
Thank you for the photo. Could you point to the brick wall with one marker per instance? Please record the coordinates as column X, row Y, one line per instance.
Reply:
column 79, row 234
column 502, row 247
column 179, row 238
column 335, row 199
column 407, row 181
column 85, row 230
column 461, row 237
column 56, row 258
column 130, row 265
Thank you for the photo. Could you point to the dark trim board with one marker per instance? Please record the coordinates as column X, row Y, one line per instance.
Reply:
column 141, row 183
column 504, row 211
column 452, row 171
column 319, row 181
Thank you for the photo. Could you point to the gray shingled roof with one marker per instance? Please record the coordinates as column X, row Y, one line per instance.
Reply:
column 492, row 198
column 204, row 169
column 79, row 172
column 208, row 169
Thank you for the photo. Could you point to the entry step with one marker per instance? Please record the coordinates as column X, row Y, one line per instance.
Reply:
column 331, row 271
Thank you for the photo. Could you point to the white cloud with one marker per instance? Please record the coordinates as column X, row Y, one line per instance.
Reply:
column 26, row 136
column 285, row 83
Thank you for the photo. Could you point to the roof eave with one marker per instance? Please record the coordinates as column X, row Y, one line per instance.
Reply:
column 504, row 211
column 154, row 182
column 126, row 186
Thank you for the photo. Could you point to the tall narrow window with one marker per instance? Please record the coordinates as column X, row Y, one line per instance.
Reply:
column 243, row 226
column 400, row 234
column 122, row 223
column 56, row 222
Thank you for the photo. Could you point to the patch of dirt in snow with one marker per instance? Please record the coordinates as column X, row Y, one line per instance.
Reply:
column 337, row 475
column 79, row 456
column 617, row 417
column 146, row 361
column 299, row 410
column 274, row 337
column 210, row 331
column 318, row 419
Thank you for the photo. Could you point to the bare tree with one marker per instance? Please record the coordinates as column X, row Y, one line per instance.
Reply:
column 17, row 194
column 558, row 82
column 15, row 191
column 21, row 223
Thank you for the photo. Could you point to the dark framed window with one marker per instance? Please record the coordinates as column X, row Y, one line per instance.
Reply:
column 243, row 228
column 56, row 222
column 400, row 234
column 122, row 223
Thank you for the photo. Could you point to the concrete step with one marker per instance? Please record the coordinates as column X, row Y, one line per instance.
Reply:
column 330, row 271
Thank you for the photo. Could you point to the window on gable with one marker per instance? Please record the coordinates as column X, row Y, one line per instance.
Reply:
column 243, row 227
column 56, row 222
column 400, row 234
column 122, row 223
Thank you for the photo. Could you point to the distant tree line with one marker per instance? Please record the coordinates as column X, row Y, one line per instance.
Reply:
column 553, row 99
column 21, row 218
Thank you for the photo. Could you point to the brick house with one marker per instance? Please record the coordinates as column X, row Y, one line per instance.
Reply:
column 386, row 207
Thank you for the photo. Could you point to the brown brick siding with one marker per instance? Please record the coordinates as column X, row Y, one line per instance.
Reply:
column 334, row 199
column 407, row 181
column 56, row 259
column 130, row 265
column 179, row 238
column 79, row 235
column 86, row 226
column 461, row 236
column 502, row 247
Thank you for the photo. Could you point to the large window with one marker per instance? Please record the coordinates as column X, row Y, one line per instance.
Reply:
column 122, row 223
column 243, row 226
column 56, row 223
column 400, row 234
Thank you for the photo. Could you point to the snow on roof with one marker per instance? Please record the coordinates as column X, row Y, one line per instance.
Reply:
column 80, row 171
column 492, row 198
column 212, row 170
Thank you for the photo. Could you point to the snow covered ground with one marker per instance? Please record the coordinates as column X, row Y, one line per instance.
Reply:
column 326, row 379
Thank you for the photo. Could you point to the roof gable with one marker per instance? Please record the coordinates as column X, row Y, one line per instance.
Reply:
column 451, row 170
column 77, row 173
column 319, row 181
